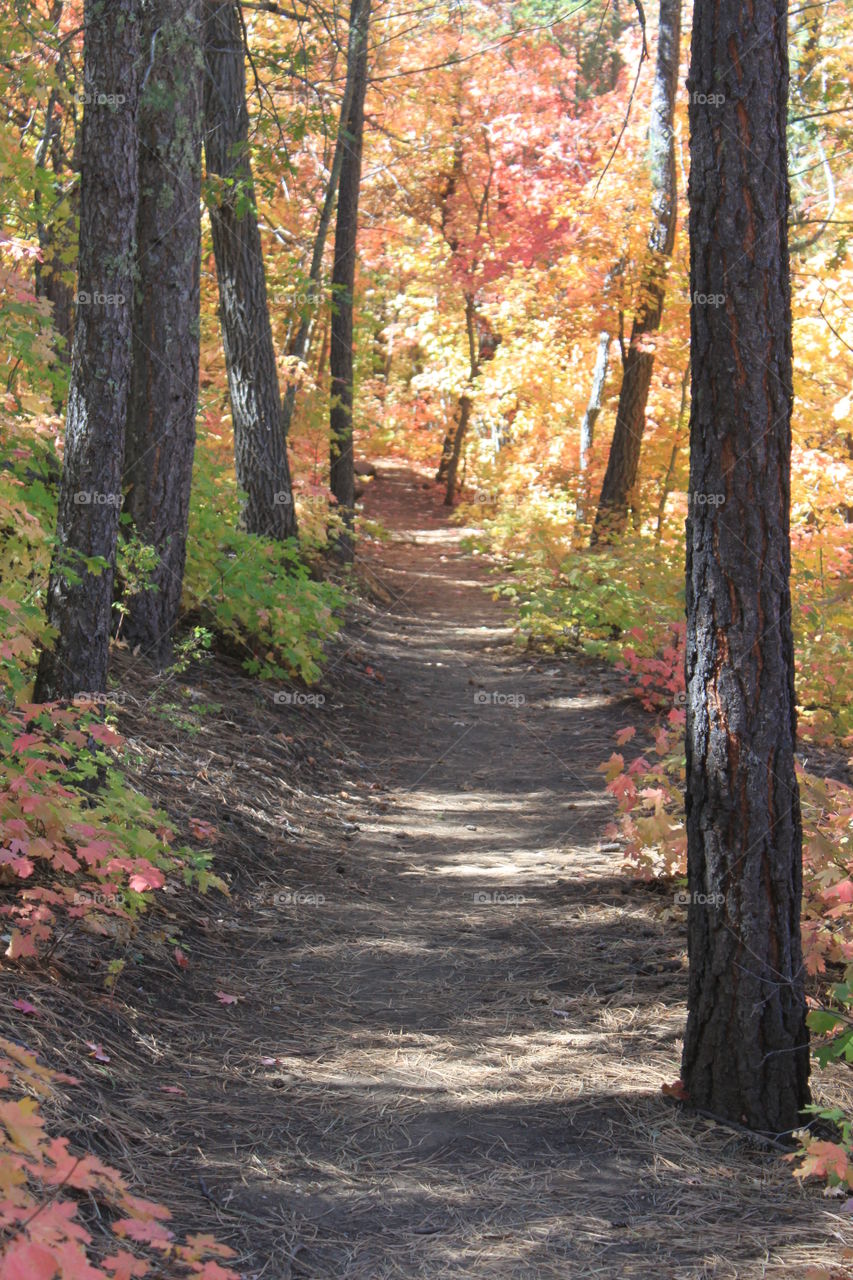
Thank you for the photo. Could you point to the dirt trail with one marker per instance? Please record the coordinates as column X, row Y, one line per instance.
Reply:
column 455, row 1012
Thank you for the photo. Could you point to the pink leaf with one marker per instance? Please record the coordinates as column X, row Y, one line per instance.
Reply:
column 224, row 998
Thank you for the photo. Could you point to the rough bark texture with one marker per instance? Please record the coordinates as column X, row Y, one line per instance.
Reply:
column 341, row 474
column 745, row 1052
column 79, row 601
column 259, row 444
column 624, row 458
column 162, row 407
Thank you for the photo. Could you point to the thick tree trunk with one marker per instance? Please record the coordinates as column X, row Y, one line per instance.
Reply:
column 341, row 477
column 79, row 595
column 624, row 459
column 260, row 452
column 590, row 417
column 163, row 392
column 746, row 1050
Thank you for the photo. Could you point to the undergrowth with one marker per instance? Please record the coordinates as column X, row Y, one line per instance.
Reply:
column 624, row 604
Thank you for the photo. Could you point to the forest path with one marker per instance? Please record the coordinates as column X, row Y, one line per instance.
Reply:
column 454, row 1012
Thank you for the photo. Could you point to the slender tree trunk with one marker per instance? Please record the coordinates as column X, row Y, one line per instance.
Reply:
column 54, row 237
column 746, row 1048
column 624, row 459
column 164, row 384
column 446, row 454
column 465, row 401
column 260, row 452
column 79, row 595
column 301, row 342
column 342, row 478
column 590, row 417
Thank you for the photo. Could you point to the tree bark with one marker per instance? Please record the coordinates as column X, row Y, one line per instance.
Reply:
column 624, row 458
column 161, row 413
column 746, row 1047
column 341, row 477
column 79, row 595
column 260, row 452
column 590, row 417
column 465, row 401
column 54, row 236
column 300, row 344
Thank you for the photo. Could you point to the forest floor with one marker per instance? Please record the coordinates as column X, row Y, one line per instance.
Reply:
column 454, row 1012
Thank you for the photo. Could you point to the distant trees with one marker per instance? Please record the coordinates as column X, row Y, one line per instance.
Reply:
column 341, row 472
column 624, row 458
column 163, row 394
column 79, row 597
column 746, row 1046
column 260, row 452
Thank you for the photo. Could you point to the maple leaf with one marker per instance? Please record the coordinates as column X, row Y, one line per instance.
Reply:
column 24, row 1006
column 26, row 1260
column 23, row 1124
column 106, row 736
column 224, row 998
column 146, row 877
column 625, row 735
column 97, row 1051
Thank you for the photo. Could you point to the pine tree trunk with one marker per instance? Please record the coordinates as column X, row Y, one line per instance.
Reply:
column 164, row 384
column 624, row 458
column 260, row 452
column 79, row 595
column 746, row 1047
column 342, row 476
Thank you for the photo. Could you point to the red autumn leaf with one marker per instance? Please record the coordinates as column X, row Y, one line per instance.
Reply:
column 97, row 1051
column 180, row 959
column 106, row 736
column 24, row 1006
column 224, row 998
column 675, row 1090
